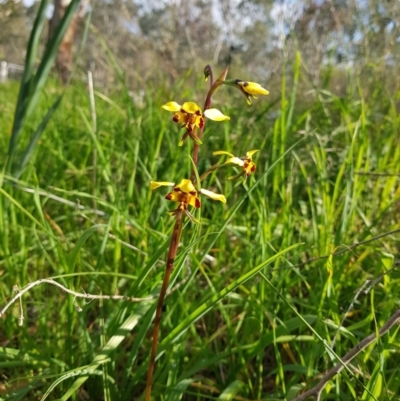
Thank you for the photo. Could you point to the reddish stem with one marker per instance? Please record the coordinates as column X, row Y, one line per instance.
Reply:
column 207, row 105
column 173, row 247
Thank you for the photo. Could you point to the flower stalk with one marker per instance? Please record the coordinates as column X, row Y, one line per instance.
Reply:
column 173, row 247
column 214, row 86
column 186, row 193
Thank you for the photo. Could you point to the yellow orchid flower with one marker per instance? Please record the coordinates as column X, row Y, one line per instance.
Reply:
column 191, row 116
column 245, row 162
column 186, row 194
column 249, row 89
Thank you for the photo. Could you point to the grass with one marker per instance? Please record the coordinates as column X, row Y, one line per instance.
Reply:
column 246, row 321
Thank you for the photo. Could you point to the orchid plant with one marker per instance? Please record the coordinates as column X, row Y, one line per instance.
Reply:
column 188, row 191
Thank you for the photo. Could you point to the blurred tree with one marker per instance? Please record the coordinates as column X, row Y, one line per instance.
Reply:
column 153, row 37
column 65, row 52
column 15, row 23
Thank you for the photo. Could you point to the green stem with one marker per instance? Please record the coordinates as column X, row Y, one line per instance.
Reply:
column 173, row 247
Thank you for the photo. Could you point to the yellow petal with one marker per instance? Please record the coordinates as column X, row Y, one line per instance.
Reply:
column 186, row 186
column 251, row 153
column 235, row 160
column 171, row 106
column 194, row 201
column 190, row 107
column 174, row 196
column 254, row 89
column 213, row 195
column 222, row 152
column 157, row 184
column 216, row 115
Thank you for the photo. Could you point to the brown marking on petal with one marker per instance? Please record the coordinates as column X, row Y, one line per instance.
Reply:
column 175, row 118
column 176, row 189
column 245, row 84
column 198, row 203
column 201, row 123
column 194, row 193
column 253, row 168
column 168, row 196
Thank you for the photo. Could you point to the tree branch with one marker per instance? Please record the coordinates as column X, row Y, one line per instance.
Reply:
column 317, row 390
column 29, row 286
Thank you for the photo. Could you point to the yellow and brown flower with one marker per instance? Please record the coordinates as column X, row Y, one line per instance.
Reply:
column 191, row 117
column 249, row 89
column 245, row 162
column 186, row 194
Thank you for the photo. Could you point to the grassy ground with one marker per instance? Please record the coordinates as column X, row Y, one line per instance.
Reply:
column 241, row 323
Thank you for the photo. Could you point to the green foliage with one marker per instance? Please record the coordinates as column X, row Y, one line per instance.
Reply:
column 33, row 81
column 83, row 214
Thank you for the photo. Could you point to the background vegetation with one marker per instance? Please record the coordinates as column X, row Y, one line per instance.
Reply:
column 327, row 184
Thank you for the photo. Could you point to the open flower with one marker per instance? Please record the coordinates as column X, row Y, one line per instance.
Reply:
column 186, row 194
column 245, row 162
column 190, row 115
column 249, row 89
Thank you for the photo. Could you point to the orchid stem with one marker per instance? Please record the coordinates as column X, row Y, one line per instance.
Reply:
column 207, row 105
column 173, row 247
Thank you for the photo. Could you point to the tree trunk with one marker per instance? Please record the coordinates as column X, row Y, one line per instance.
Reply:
column 65, row 56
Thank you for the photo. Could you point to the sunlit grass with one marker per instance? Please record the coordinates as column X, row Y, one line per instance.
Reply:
column 220, row 333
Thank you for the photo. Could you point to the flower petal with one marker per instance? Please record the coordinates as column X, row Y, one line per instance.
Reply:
column 235, row 160
column 157, row 184
column 171, row 106
column 190, row 107
column 250, row 153
column 256, row 89
column 216, row 115
column 194, row 201
column 213, row 195
column 252, row 88
column 222, row 152
column 175, row 196
column 186, row 186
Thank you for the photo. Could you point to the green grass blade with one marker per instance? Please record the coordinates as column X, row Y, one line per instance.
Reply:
column 32, row 84
column 50, row 54
column 24, row 96
column 103, row 356
column 35, row 137
column 208, row 305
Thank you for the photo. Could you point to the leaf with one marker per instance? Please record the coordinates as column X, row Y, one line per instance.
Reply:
column 231, row 391
column 32, row 84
